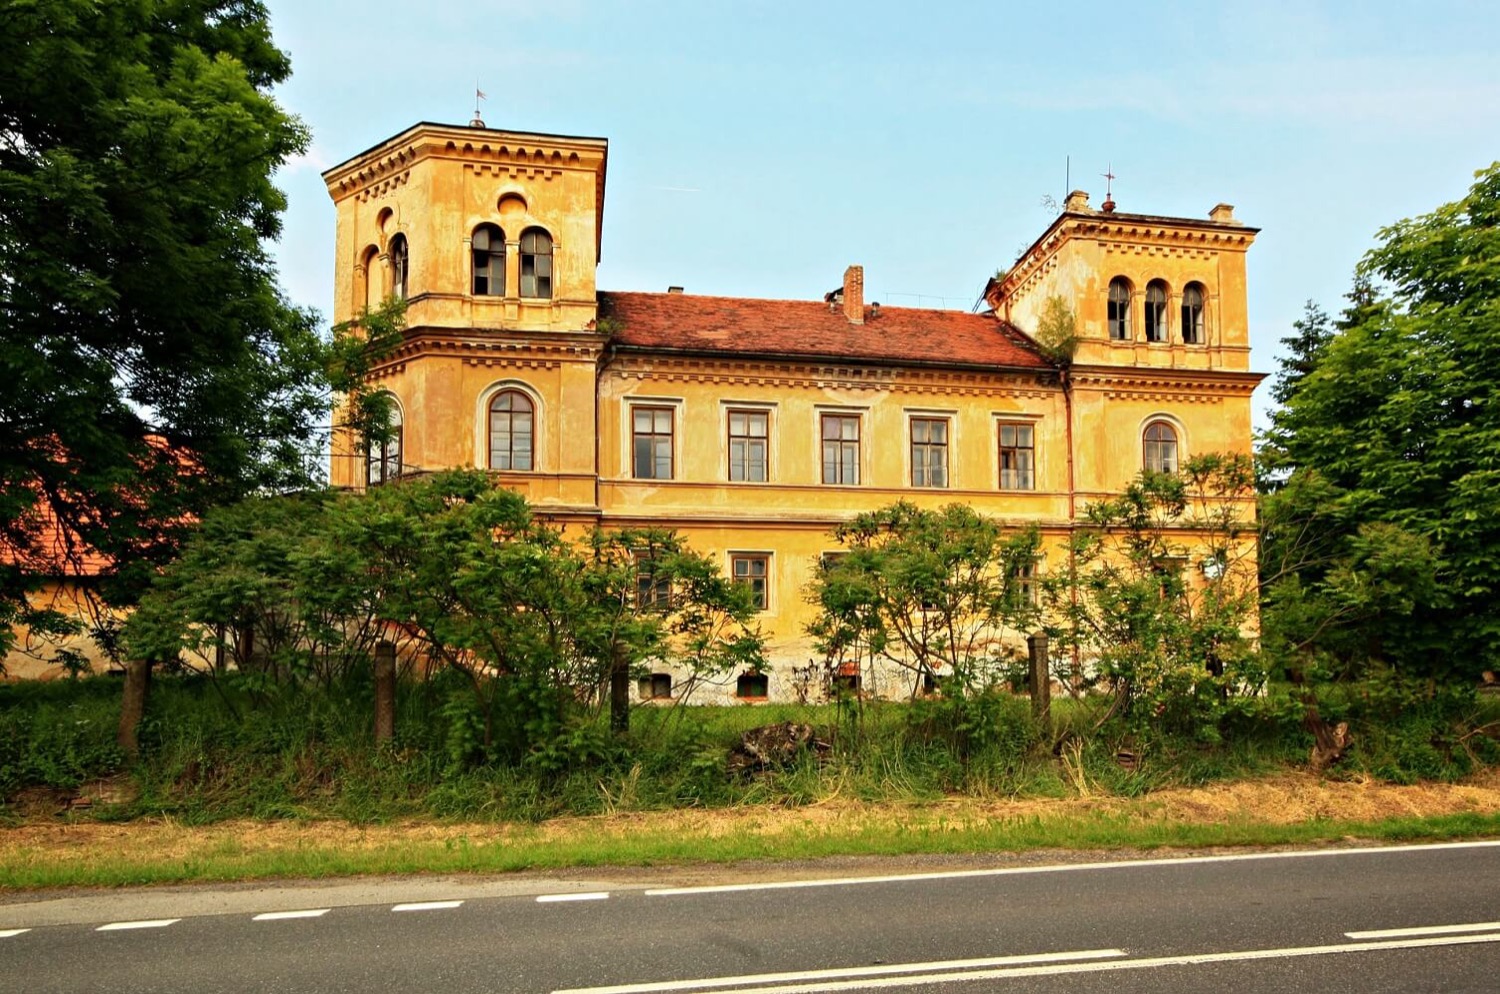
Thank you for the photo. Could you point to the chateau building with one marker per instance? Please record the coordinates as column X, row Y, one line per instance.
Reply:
column 754, row 426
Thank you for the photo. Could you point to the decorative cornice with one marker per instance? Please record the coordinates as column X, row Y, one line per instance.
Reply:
column 819, row 376
column 1175, row 384
column 494, row 350
column 1156, row 235
column 510, row 153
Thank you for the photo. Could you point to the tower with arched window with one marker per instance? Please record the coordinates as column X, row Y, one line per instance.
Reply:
column 491, row 238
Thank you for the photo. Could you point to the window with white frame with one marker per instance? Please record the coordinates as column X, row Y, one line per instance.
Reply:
column 749, row 445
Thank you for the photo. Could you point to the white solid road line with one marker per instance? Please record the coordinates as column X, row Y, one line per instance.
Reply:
column 276, row 916
column 150, row 923
column 9, row 932
column 599, row 895
column 853, row 971
column 1396, row 933
column 1098, row 966
column 427, row 906
column 1008, row 871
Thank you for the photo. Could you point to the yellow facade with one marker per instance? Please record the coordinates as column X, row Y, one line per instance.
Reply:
column 588, row 363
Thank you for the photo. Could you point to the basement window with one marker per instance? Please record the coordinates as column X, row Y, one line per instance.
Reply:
column 656, row 687
column 752, row 686
column 846, row 684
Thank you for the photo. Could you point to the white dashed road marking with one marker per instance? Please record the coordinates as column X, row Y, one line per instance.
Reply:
column 589, row 896
column 273, row 916
column 150, row 923
column 427, row 906
column 7, row 933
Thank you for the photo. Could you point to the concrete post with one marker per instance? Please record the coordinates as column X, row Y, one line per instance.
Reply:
column 385, row 692
column 133, row 705
column 1041, row 676
column 619, row 690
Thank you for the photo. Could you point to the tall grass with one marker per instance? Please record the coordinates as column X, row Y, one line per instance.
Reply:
column 212, row 751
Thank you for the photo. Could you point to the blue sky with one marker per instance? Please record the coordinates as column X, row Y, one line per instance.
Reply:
column 758, row 148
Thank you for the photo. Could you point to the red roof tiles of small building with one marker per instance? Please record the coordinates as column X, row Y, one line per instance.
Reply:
column 678, row 322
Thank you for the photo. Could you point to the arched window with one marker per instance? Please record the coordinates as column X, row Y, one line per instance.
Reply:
column 1192, row 314
column 1119, row 309
column 385, row 460
column 1156, row 311
column 1160, row 454
column 371, row 270
column 489, row 261
column 536, row 263
column 399, row 264
column 512, row 430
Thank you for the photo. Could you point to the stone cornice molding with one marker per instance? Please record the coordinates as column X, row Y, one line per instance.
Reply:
column 531, row 352
column 1192, row 385
column 819, row 376
column 1124, row 232
column 376, row 171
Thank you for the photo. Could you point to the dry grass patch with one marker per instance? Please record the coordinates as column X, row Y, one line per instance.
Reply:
column 48, row 851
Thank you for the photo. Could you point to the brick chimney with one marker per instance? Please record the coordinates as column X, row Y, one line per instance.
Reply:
column 1224, row 214
column 1077, row 203
column 854, row 294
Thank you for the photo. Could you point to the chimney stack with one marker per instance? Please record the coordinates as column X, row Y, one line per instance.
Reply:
column 1077, row 203
column 1224, row 214
column 854, row 294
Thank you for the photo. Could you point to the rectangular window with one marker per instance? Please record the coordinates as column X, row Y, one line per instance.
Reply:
column 652, row 591
column 656, row 687
column 841, row 449
column 755, row 572
column 1017, row 457
column 929, row 452
column 748, row 446
column 651, row 442
column 1023, row 584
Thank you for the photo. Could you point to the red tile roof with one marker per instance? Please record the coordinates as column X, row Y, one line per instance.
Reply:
column 682, row 322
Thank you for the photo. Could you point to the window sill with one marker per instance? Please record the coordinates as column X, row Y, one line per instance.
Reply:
column 753, row 700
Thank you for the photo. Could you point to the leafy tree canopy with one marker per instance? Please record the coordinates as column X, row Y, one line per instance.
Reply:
column 142, row 332
column 1398, row 415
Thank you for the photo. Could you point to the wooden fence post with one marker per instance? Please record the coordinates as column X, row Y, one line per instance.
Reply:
column 1041, row 676
column 619, row 690
column 385, row 692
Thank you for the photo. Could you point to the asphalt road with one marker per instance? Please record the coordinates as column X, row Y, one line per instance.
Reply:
column 1404, row 919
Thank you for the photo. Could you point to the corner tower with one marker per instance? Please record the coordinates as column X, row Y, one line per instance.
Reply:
column 417, row 212
column 492, row 238
column 1160, row 370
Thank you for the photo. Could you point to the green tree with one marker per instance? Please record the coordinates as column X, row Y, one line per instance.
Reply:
column 936, row 593
column 1302, row 350
column 1399, row 417
column 141, row 327
column 654, row 600
column 1159, row 587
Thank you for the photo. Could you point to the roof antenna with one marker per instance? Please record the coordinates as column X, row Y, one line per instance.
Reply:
column 478, row 121
column 1109, row 189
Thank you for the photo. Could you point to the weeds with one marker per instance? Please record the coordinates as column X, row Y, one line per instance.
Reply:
column 309, row 755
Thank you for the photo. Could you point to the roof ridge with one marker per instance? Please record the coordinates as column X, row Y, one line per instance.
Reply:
column 784, row 300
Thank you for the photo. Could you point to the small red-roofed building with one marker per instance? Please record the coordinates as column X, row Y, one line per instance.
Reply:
column 755, row 426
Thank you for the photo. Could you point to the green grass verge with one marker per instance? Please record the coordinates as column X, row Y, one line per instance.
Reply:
column 527, row 850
